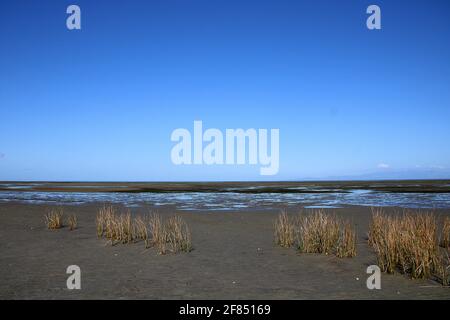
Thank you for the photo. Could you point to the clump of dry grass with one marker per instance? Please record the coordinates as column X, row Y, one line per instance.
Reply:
column 442, row 272
column 119, row 228
column 417, row 245
column 346, row 245
column 178, row 235
column 317, row 232
column 445, row 234
column 172, row 235
column 104, row 216
column 382, row 238
column 408, row 243
column 284, row 230
column 72, row 221
column 158, row 233
column 140, row 231
column 54, row 218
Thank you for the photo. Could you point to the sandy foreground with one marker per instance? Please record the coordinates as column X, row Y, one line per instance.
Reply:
column 234, row 257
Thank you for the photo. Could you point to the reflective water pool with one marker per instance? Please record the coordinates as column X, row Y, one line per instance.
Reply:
column 212, row 201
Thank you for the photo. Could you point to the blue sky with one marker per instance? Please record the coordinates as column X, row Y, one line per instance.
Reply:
column 100, row 103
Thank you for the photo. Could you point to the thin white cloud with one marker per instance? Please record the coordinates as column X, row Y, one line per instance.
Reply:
column 433, row 167
column 437, row 167
column 383, row 166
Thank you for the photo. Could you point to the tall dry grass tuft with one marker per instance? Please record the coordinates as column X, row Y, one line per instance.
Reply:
column 172, row 235
column 158, row 233
column 120, row 228
column 346, row 245
column 408, row 243
column 442, row 271
column 382, row 233
column 178, row 235
column 126, row 227
column 141, row 231
column 445, row 234
column 103, row 218
column 417, row 245
column 316, row 232
column 284, row 230
column 54, row 218
column 376, row 225
column 72, row 221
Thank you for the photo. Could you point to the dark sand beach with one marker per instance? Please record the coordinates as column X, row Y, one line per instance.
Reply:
column 234, row 257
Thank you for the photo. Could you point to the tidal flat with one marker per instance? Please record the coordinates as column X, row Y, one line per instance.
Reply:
column 233, row 257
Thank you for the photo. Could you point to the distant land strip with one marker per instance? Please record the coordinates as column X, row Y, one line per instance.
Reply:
column 400, row 186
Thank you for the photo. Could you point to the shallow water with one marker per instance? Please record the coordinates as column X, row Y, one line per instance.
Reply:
column 213, row 201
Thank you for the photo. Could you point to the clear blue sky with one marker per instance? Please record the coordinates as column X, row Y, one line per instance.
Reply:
column 100, row 103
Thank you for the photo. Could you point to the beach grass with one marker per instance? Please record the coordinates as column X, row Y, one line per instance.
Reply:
column 172, row 235
column 316, row 232
column 103, row 218
column 158, row 233
column 346, row 245
column 442, row 271
column 178, row 235
column 324, row 233
column 72, row 222
column 407, row 243
column 141, row 230
column 118, row 228
column 445, row 234
column 54, row 218
column 284, row 230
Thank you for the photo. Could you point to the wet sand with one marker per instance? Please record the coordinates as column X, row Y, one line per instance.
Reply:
column 234, row 257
